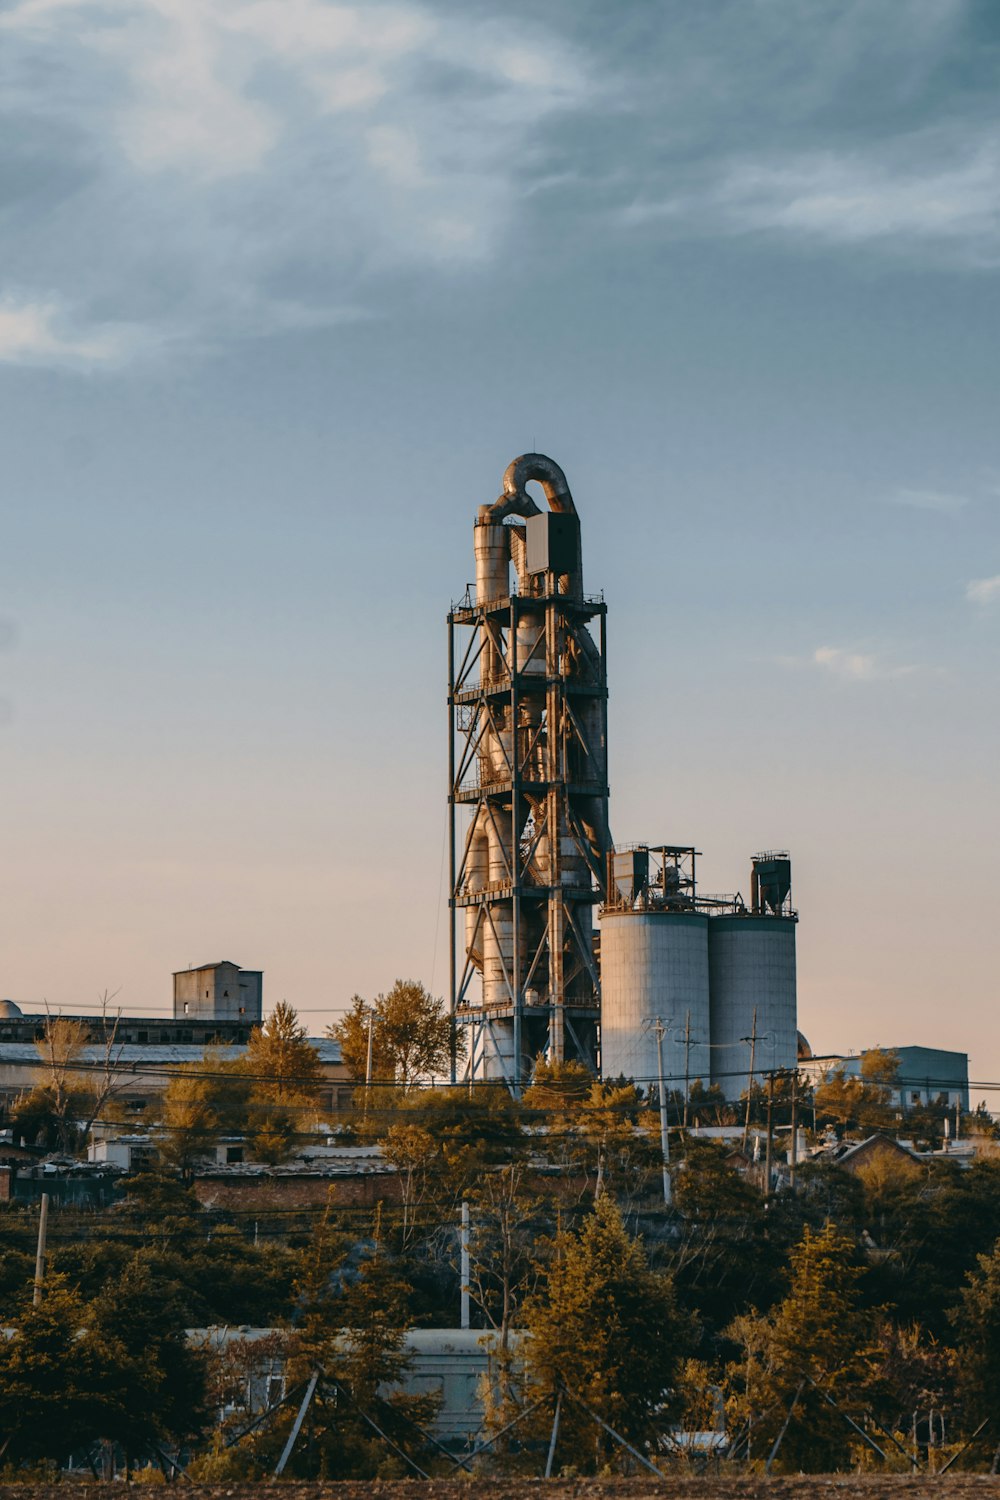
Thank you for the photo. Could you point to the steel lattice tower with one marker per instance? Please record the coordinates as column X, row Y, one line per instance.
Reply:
column 527, row 699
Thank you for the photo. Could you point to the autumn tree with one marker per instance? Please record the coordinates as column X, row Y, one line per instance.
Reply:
column 606, row 1328
column 976, row 1321
column 442, row 1141
column 503, row 1267
column 412, row 1036
column 557, row 1087
column 281, row 1061
column 202, row 1102
column 351, row 1335
column 815, row 1344
column 286, row 1078
column 859, row 1101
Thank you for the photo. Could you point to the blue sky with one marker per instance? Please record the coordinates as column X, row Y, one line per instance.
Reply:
column 286, row 284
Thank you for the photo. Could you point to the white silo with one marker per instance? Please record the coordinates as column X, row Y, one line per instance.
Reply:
column 654, row 965
column 752, row 981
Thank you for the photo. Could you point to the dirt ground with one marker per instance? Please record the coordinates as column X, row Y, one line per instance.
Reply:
column 806, row 1487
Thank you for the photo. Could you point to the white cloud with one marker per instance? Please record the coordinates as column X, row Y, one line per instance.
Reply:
column 931, row 191
column 248, row 166
column 856, row 666
column 38, row 333
column 983, row 590
column 937, row 500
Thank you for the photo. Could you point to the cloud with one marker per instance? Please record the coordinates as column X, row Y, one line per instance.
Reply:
column 232, row 168
column 935, row 500
column 856, row 666
column 931, row 192
column 220, row 169
column 39, row 333
column 983, row 590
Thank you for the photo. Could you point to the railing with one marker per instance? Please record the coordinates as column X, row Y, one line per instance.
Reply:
column 469, row 604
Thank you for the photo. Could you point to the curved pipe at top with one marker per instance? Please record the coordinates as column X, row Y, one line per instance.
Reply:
column 515, row 499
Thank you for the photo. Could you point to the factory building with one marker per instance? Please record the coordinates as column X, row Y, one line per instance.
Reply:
column 924, row 1074
column 707, row 982
column 214, row 1005
column 219, row 992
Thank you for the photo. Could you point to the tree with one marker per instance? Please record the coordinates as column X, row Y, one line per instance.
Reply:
column 61, row 1048
column 916, row 1375
column 709, row 1105
column 558, row 1087
column 721, row 1250
column 976, row 1321
column 191, row 1122
column 608, row 1329
column 862, row 1102
column 880, row 1065
column 816, row 1343
column 281, row 1061
column 286, row 1077
column 502, row 1266
column 352, row 1336
column 77, row 1086
column 51, row 1371
column 613, row 1137
column 413, row 1152
column 154, row 1385
column 412, row 1035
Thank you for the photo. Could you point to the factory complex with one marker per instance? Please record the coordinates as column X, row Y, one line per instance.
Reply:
column 673, row 984
column 564, row 945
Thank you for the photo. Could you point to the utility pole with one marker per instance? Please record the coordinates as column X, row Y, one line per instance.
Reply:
column 752, row 1039
column 770, row 1138
column 43, row 1224
column 465, row 1266
column 794, row 1159
column 368, row 1061
column 664, row 1132
column 687, row 1067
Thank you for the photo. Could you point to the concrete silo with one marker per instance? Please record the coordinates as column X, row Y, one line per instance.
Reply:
column 752, row 981
column 654, row 969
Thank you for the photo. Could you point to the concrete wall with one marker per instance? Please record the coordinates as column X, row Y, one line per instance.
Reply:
column 210, row 993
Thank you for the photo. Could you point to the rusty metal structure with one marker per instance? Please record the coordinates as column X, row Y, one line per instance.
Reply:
column 528, row 784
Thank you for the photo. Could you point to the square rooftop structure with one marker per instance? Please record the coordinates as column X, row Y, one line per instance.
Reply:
column 219, row 992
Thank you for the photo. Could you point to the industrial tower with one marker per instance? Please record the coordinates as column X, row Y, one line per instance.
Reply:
column 528, row 784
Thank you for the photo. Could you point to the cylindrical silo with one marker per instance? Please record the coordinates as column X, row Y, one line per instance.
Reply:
column 751, row 968
column 654, row 964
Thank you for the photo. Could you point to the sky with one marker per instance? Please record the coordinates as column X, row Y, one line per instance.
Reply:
column 286, row 284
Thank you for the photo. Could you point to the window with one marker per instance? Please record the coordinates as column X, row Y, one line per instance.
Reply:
column 187, row 1008
column 234, row 1153
column 915, row 1097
